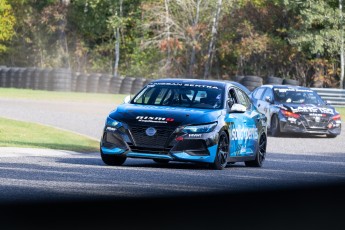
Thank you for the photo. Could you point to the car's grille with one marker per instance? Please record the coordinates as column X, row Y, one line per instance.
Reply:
column 162, row 151
column 311, row 123
column 158, row 140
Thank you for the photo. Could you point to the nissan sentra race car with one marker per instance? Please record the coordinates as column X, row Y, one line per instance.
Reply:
column 296, row 109
column 198, row 121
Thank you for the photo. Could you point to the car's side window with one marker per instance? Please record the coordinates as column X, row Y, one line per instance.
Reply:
column 232, row 98
column 258, row 93
column 268, row 93
column 242, row 98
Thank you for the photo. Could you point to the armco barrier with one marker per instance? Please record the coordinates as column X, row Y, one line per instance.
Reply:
column 334, row 97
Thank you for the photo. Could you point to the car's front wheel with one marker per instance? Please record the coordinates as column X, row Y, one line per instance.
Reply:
column 221, row 158
column 112, row 159
column 260, row 153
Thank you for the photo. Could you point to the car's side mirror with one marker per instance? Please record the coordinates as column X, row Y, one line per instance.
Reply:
column 238, row 108
column 328, row 102
column 268, row 99
column 127, row 99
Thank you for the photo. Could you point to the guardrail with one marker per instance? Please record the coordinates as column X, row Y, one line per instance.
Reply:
column 334, row 97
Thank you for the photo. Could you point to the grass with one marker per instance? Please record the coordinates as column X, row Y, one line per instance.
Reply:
column 60, row 96
column 341, row 110
column 25, row 134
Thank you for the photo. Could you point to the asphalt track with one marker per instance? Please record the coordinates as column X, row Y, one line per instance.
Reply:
column 300, row 186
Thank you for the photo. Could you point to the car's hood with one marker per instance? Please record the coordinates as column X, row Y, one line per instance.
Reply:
column 163, row 115
column 309, row 109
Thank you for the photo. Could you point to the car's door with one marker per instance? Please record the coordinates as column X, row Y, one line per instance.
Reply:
column 249, row 131
column 265, row 102
column 242, row 126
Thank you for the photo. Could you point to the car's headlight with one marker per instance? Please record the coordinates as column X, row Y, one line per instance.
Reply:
column 200, row 128
column 113, row 123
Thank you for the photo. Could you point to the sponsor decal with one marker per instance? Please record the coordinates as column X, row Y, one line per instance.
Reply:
column 283, row 90
column 183, row 84
column 243, row 133
column 162, row 120
column 150, row 131
column 194, row 135
column 303, row 109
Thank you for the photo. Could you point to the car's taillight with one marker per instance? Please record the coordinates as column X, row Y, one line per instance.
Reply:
column 290, row 114
column 336, row 117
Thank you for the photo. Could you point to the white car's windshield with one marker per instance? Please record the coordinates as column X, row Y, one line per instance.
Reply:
column 296, row 96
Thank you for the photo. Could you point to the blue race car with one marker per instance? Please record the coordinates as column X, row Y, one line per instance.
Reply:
column 187, row 120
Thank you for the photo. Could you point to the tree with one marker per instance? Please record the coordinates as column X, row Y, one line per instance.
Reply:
column 7, row 23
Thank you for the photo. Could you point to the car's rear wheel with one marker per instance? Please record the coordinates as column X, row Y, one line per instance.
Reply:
column 112, row 159
column 161, row 161
column 260, row 153
column 275, row 127
column 221, row 158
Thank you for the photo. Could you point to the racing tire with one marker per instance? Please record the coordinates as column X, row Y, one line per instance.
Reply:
column 221, row 158
column 113, row 160
column 275, row 127
column 161, row 161
column 260, row 154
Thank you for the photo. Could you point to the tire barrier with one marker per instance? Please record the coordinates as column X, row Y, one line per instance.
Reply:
column 28, row 82
column 251, row 82
column 137, row 85
column 290, row 82
column 82, row 82
column 126, row 85
column 274, row 80
column 12, row 75
column 238, row 78
column 47, row 79
column 75, row 76
column 3, row 76
column 104, row 83
column 115, row 84
column 37, row 78
column 62, row 79
column 92, row 83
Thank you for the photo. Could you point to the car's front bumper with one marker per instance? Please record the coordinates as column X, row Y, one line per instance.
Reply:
column 178, row 147
column 299, row 126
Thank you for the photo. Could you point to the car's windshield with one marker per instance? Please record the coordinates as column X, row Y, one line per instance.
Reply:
column 181, row 95
column 296, row 96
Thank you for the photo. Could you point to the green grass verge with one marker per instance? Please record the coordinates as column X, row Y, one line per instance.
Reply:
column 25, row 134
column 60, row 96
column 341, row 110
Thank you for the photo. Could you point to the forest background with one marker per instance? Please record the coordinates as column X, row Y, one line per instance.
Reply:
column 218, row 39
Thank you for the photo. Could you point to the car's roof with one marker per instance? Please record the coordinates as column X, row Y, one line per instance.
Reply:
column 219, row 83
column 287, row 87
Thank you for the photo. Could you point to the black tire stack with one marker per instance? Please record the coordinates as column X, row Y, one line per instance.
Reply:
column 115, row 84
column 252, row 82
column 75, row 76
column 290, row 82
column 28, row 82
column 82, row 82
column 104, row 83
column 126, row 86
column 62, row 79
column 47, row 79
column 238, row 78
column 138, row 84
column 3, row 76
column 271, row 80
column 92, row 83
